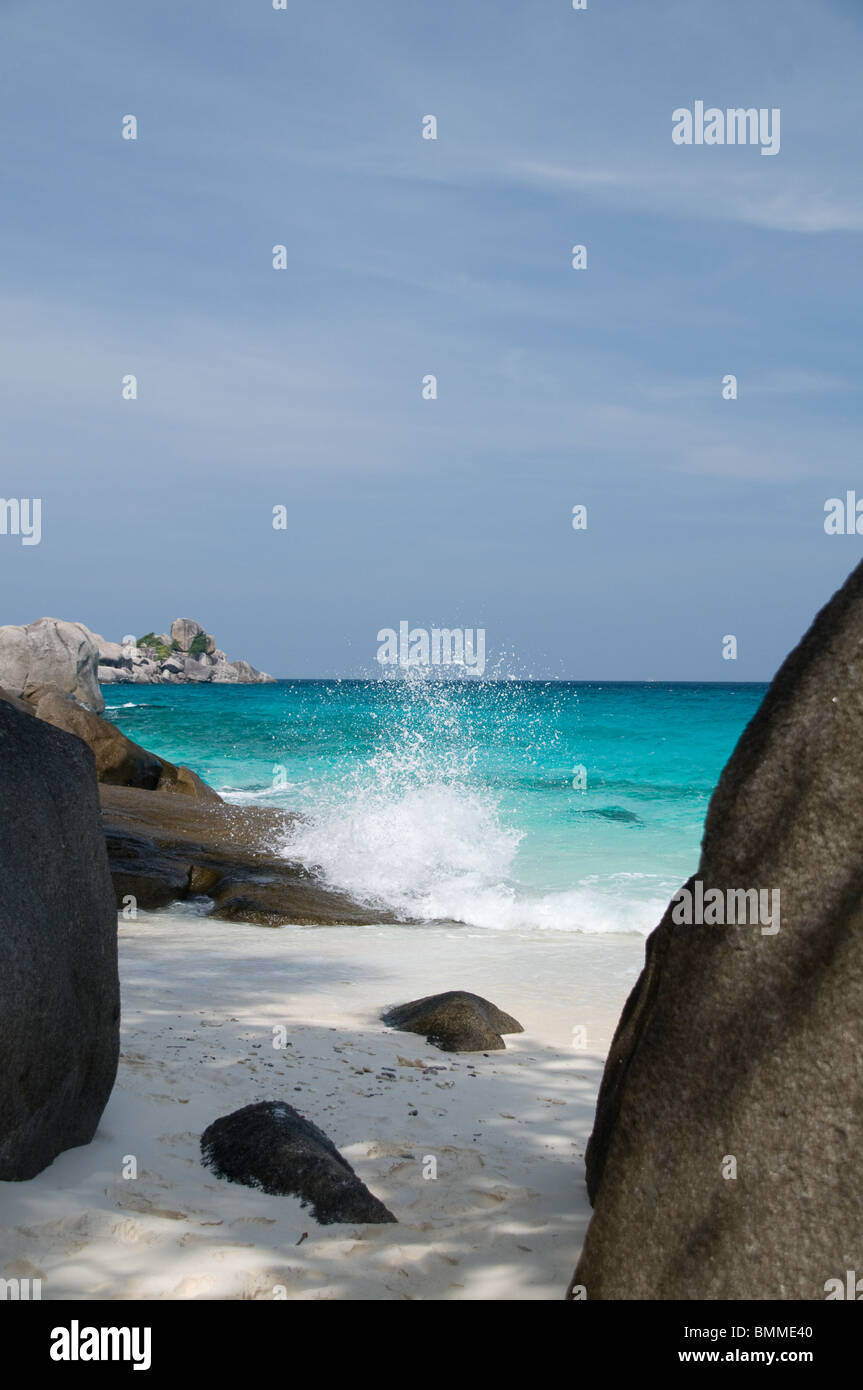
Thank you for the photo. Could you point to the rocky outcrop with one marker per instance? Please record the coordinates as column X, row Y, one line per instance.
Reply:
column 119, row 761
column 164, row 848
column 454, row 1021
column 59, row 992
column 188, row 655
column 724, row 1161
column 72, row 658
column 272, row 1147
column 50, row 652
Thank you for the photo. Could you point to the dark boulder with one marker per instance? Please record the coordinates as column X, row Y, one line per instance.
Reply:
column 59, row 991
column 454, row 1022
column 272, row 1147
column 724, row 1161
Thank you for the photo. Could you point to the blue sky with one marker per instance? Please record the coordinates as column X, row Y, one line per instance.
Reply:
column 406, row 257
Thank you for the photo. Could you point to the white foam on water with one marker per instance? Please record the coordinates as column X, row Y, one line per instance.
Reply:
column 413, row 831
column 432, row 852
column 283, row 797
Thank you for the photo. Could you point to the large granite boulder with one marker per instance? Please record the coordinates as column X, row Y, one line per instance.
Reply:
column 59, row 991
column 184, row 631
column 51, row 652
column 271, row 1146
column 725, row 1158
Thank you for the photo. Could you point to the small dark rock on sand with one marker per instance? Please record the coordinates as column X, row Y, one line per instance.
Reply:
column 272, row 1147
column 455, row 1021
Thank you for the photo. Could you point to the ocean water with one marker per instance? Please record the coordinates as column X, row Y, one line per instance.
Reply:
column 463, row 801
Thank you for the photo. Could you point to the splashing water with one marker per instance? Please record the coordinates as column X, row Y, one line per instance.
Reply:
column 413, row 829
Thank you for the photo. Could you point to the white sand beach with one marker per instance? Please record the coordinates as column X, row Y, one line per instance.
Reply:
column 503, row 1219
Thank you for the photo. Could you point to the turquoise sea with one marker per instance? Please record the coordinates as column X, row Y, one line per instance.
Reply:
column 463, row 800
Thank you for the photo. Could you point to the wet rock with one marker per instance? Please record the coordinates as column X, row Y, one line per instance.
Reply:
column 163, row 848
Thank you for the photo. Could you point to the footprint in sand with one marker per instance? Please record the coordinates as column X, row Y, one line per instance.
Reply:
column 131, row 1232
column 146, row 1208
column 494, row 1196
column 67, row 1235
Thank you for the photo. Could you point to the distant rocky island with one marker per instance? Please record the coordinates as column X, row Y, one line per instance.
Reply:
column 69, row 655
column 188, row 654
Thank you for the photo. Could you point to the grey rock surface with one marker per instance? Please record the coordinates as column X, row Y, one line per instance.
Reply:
column 740, row 1049
column 59, row 990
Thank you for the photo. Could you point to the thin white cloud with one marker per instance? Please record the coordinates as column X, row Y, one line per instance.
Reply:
column 798, row 206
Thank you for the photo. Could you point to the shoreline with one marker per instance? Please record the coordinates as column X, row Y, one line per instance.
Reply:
column 503, row 1219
